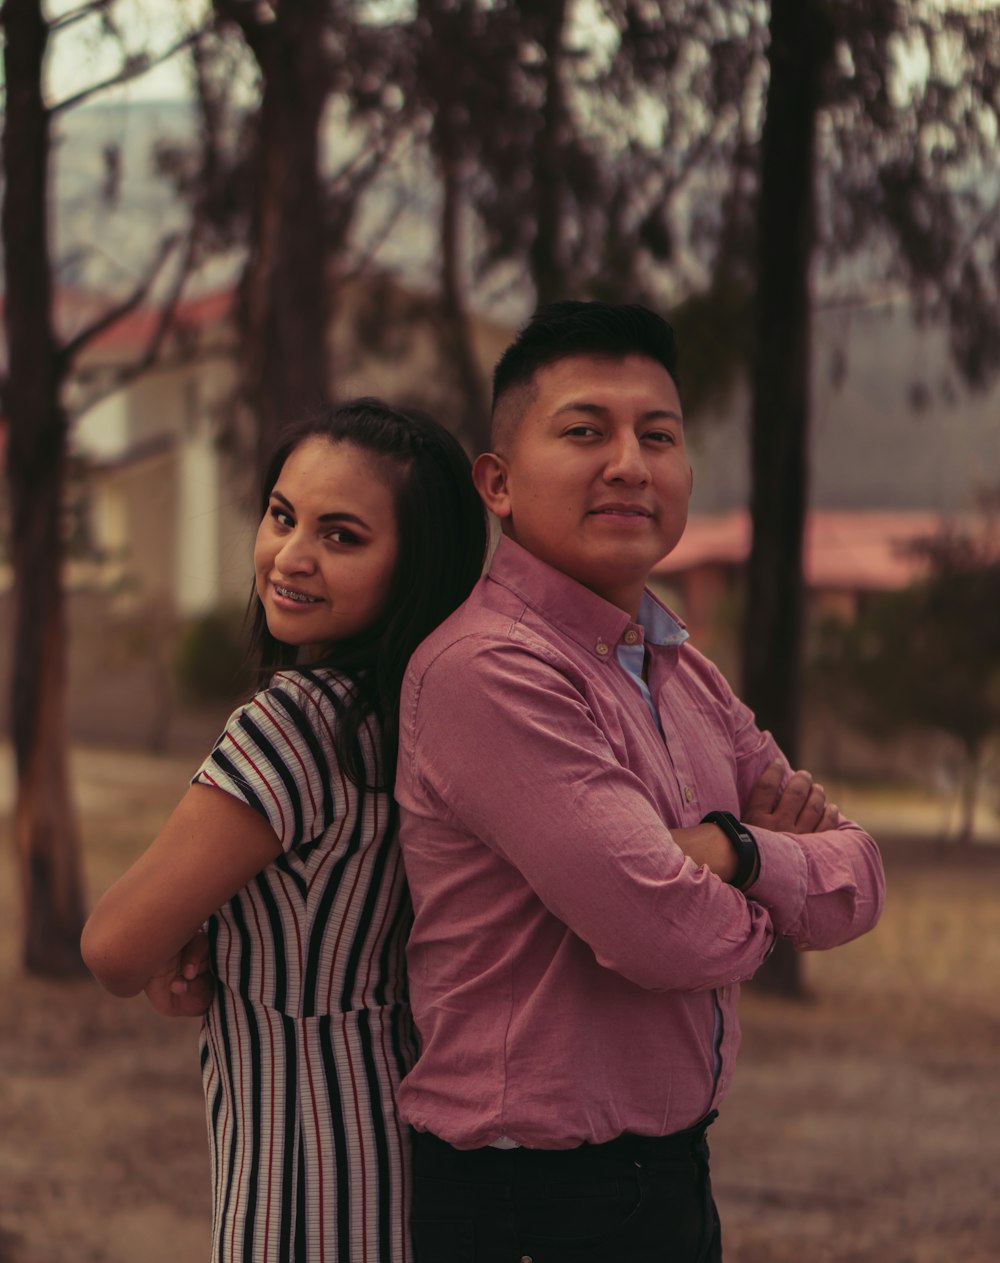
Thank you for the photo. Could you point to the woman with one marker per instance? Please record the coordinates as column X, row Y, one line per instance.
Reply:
column 285, row 843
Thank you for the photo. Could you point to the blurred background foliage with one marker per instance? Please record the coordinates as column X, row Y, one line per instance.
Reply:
column 211, row 661
column 925, row 658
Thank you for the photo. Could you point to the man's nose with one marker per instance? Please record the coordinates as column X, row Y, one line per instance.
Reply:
column 627, row 461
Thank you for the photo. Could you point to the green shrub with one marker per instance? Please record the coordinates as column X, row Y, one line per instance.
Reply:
column 210, row 663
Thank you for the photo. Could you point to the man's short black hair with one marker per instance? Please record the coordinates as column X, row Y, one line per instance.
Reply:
column 558, row 330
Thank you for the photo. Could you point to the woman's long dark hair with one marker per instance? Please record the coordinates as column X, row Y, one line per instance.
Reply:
column 442, row 545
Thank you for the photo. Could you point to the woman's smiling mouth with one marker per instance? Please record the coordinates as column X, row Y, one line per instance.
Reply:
column 290, row 594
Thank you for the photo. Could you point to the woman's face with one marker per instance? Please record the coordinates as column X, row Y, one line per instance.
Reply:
column 327, row 545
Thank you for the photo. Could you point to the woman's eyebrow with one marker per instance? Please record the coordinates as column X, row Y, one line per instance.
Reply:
column 344, row 517
column 323, row 517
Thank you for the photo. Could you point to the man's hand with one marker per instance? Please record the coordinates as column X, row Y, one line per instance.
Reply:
column 800, row 807
column 184, row 987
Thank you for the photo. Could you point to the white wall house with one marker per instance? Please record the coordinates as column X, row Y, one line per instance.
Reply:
column 170, row 518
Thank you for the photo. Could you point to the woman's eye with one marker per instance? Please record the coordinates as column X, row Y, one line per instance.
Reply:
column 281, row 516
column 341, row 535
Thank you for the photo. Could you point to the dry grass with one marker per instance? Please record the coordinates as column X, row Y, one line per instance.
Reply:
column 863, row 1125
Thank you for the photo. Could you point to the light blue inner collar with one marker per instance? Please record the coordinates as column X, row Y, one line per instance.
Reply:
column 659, row 628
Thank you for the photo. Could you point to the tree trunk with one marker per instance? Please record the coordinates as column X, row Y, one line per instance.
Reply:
column 45, row 825
column 800, row 46
column 547, row 248
column 284, row 309
column 968, row 795
column 457, row 342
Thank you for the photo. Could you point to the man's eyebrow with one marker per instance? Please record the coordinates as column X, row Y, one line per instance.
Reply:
column 599, row 410
column 323, row 517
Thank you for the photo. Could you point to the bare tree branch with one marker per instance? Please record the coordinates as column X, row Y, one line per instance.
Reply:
column 94, row 390
column 692, row 161
column 111, row 317
column 364, row 261
column 245, row 15
column 80, row 14
column 109, row 380
column 861, row 299
column 133, row 67
column 167, row 311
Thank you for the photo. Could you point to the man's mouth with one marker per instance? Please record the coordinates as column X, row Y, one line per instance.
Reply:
column 620, row 510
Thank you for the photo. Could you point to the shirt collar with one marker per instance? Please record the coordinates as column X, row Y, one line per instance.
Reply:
column 661, row 627
column 595, row 624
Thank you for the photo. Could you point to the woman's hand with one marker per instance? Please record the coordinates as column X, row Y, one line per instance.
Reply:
column 184, row 987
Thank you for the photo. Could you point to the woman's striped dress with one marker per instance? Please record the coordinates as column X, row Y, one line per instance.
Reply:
column 310, row 1033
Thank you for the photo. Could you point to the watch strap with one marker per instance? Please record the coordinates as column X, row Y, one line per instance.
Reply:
column 743, row 842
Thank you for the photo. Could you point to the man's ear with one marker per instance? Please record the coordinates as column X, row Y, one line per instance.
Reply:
column 489, row 473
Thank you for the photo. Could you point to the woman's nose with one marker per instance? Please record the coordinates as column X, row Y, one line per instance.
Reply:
column 295, row 556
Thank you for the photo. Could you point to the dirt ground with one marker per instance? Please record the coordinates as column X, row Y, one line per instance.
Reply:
column 863, row 1125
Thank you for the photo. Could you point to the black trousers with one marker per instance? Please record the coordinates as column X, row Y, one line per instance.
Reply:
column 636, row 1199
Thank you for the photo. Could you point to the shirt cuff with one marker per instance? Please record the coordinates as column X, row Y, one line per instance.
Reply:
column 783, row 882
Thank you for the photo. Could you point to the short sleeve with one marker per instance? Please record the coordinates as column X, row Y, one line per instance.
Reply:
column 277, row 755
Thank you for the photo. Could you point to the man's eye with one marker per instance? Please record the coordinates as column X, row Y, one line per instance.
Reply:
column 581, row 431
column 660, row 436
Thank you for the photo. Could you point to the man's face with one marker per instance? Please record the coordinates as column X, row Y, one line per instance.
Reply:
column 596, row 480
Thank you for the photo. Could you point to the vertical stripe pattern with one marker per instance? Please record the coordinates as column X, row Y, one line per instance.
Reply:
column 304, row 1048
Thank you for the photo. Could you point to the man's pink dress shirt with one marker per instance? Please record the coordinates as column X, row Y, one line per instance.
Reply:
column 573, row 975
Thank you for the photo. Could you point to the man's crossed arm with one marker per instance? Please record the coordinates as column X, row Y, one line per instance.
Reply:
column 799, row 807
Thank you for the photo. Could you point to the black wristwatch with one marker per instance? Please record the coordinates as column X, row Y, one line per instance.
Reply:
column 743, row 841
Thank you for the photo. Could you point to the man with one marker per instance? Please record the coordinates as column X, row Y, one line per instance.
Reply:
column 580, row 930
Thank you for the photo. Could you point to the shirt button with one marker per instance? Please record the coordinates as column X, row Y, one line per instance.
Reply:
column 631, row 636
column 688, row 794
column 602, row 649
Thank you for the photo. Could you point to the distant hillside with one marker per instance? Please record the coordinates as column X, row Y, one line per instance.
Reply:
column 898, row 433
column 103, row 241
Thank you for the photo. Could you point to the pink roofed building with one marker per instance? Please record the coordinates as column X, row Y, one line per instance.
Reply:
column 847, row 555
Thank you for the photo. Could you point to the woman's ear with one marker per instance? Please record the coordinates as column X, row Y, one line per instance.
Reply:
column 489, row 473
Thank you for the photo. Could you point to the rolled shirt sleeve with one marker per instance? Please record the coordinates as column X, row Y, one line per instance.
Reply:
column 822, row 889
